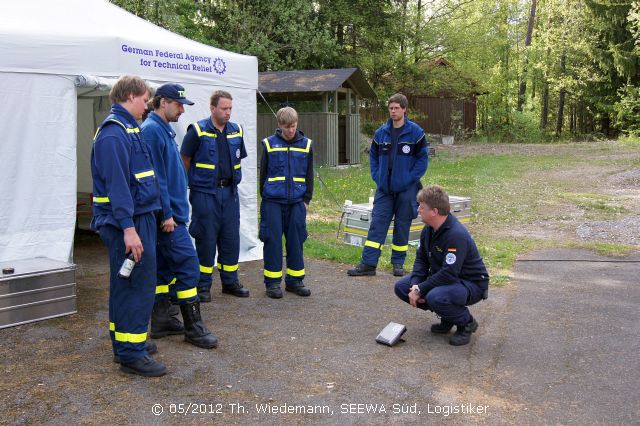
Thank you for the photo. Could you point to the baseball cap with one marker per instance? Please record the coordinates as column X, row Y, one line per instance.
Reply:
column 174, row 92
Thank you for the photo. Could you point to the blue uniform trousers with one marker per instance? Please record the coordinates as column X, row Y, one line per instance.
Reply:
column 215, row 224
column 402, row 207
column 448, row 301
column 275, row 220
column 178, row 266
column 131, row 300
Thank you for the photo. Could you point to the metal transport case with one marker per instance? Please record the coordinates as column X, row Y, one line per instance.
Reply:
column 37, row 289
column 358, row 220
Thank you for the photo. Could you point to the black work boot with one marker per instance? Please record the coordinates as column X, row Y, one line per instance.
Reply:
column 152, row 348
column 443, row 328
column 195, row 332
column 398, row 270
column 236, row 289
column 163, row 323
column 274, row 291
column 361, row 270
column 145, row 366
column 462, row 336
column 204, row 294
column 298, row 288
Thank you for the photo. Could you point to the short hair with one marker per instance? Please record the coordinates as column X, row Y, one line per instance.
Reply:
column 219, row 94
column 286, row 116
column 128, row 85
column 436, row 198
column 400, row 99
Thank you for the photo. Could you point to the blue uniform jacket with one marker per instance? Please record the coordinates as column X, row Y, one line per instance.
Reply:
column 172, row 177
column 410, row 162
column 124, row 181
column 448, row 256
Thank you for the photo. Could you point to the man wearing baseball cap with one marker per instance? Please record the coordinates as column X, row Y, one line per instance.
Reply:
column 178, row 269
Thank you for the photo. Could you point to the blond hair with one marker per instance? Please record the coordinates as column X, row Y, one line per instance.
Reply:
column 286, row 116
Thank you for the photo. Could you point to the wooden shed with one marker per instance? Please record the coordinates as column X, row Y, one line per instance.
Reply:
column 451, row 93
column 328, row 105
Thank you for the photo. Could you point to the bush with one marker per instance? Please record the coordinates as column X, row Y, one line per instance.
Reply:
column 524, row 128
column 369, row 128
column 628, row 110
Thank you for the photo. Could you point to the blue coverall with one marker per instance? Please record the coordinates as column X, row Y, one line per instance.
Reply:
column 396, row 168
column 125, row 194
column 286, row 184
column 214, row 175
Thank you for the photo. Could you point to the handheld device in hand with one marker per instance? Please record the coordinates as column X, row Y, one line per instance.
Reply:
column 391, row 334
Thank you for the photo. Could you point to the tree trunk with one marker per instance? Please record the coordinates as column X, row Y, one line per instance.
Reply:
column 403, row 35
column 560, row 121
column 527, row 42
column 416, row 36
column 544, row 110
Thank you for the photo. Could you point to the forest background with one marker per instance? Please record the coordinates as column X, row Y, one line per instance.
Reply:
column 542, row 70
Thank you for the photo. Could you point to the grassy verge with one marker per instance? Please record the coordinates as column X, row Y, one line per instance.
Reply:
column 507, row 191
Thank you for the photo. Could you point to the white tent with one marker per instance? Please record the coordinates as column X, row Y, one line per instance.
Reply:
column 57, row 62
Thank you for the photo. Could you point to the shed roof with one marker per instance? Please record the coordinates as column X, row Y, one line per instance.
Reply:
column 314, row 81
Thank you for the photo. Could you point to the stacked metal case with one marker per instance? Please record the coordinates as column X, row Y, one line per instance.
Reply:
column 357, row 219
column 36, row 289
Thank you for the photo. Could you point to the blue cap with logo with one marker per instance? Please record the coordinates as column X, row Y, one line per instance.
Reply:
column 173, row 91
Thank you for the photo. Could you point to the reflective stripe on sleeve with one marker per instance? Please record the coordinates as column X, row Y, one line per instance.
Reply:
column 144, row 174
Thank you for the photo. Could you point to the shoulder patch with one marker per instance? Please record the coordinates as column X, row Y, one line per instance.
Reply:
column 450, row 258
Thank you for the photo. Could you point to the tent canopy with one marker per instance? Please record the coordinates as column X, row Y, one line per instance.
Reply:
column 99, row 38
column 56, row 60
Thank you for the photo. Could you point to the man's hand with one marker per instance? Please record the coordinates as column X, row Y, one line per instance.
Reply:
column 168, row 225
column 306, row 206
column 415, row 297
column 132, row 243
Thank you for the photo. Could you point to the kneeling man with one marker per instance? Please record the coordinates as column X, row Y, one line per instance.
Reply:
column 448, row 274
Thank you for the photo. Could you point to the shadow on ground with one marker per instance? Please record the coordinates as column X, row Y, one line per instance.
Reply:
column 558, row 345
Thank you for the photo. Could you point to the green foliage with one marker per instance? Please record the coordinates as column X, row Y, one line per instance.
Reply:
column 628, row 110
column 584, row 52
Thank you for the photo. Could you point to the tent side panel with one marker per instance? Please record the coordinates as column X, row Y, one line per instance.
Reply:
column 37, row 166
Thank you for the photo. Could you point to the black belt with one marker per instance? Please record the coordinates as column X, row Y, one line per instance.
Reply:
column 224, row 182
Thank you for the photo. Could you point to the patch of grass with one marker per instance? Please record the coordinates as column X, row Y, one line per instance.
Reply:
column 603, row 204
column 507, row 191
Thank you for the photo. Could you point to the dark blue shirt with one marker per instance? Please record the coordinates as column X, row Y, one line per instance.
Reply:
column 448, row 256
column 395, row 136
column 172, row 177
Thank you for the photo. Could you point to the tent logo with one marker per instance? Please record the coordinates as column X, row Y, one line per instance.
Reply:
column 219, row 65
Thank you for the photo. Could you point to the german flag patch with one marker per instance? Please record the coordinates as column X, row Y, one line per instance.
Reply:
column 452, row 249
